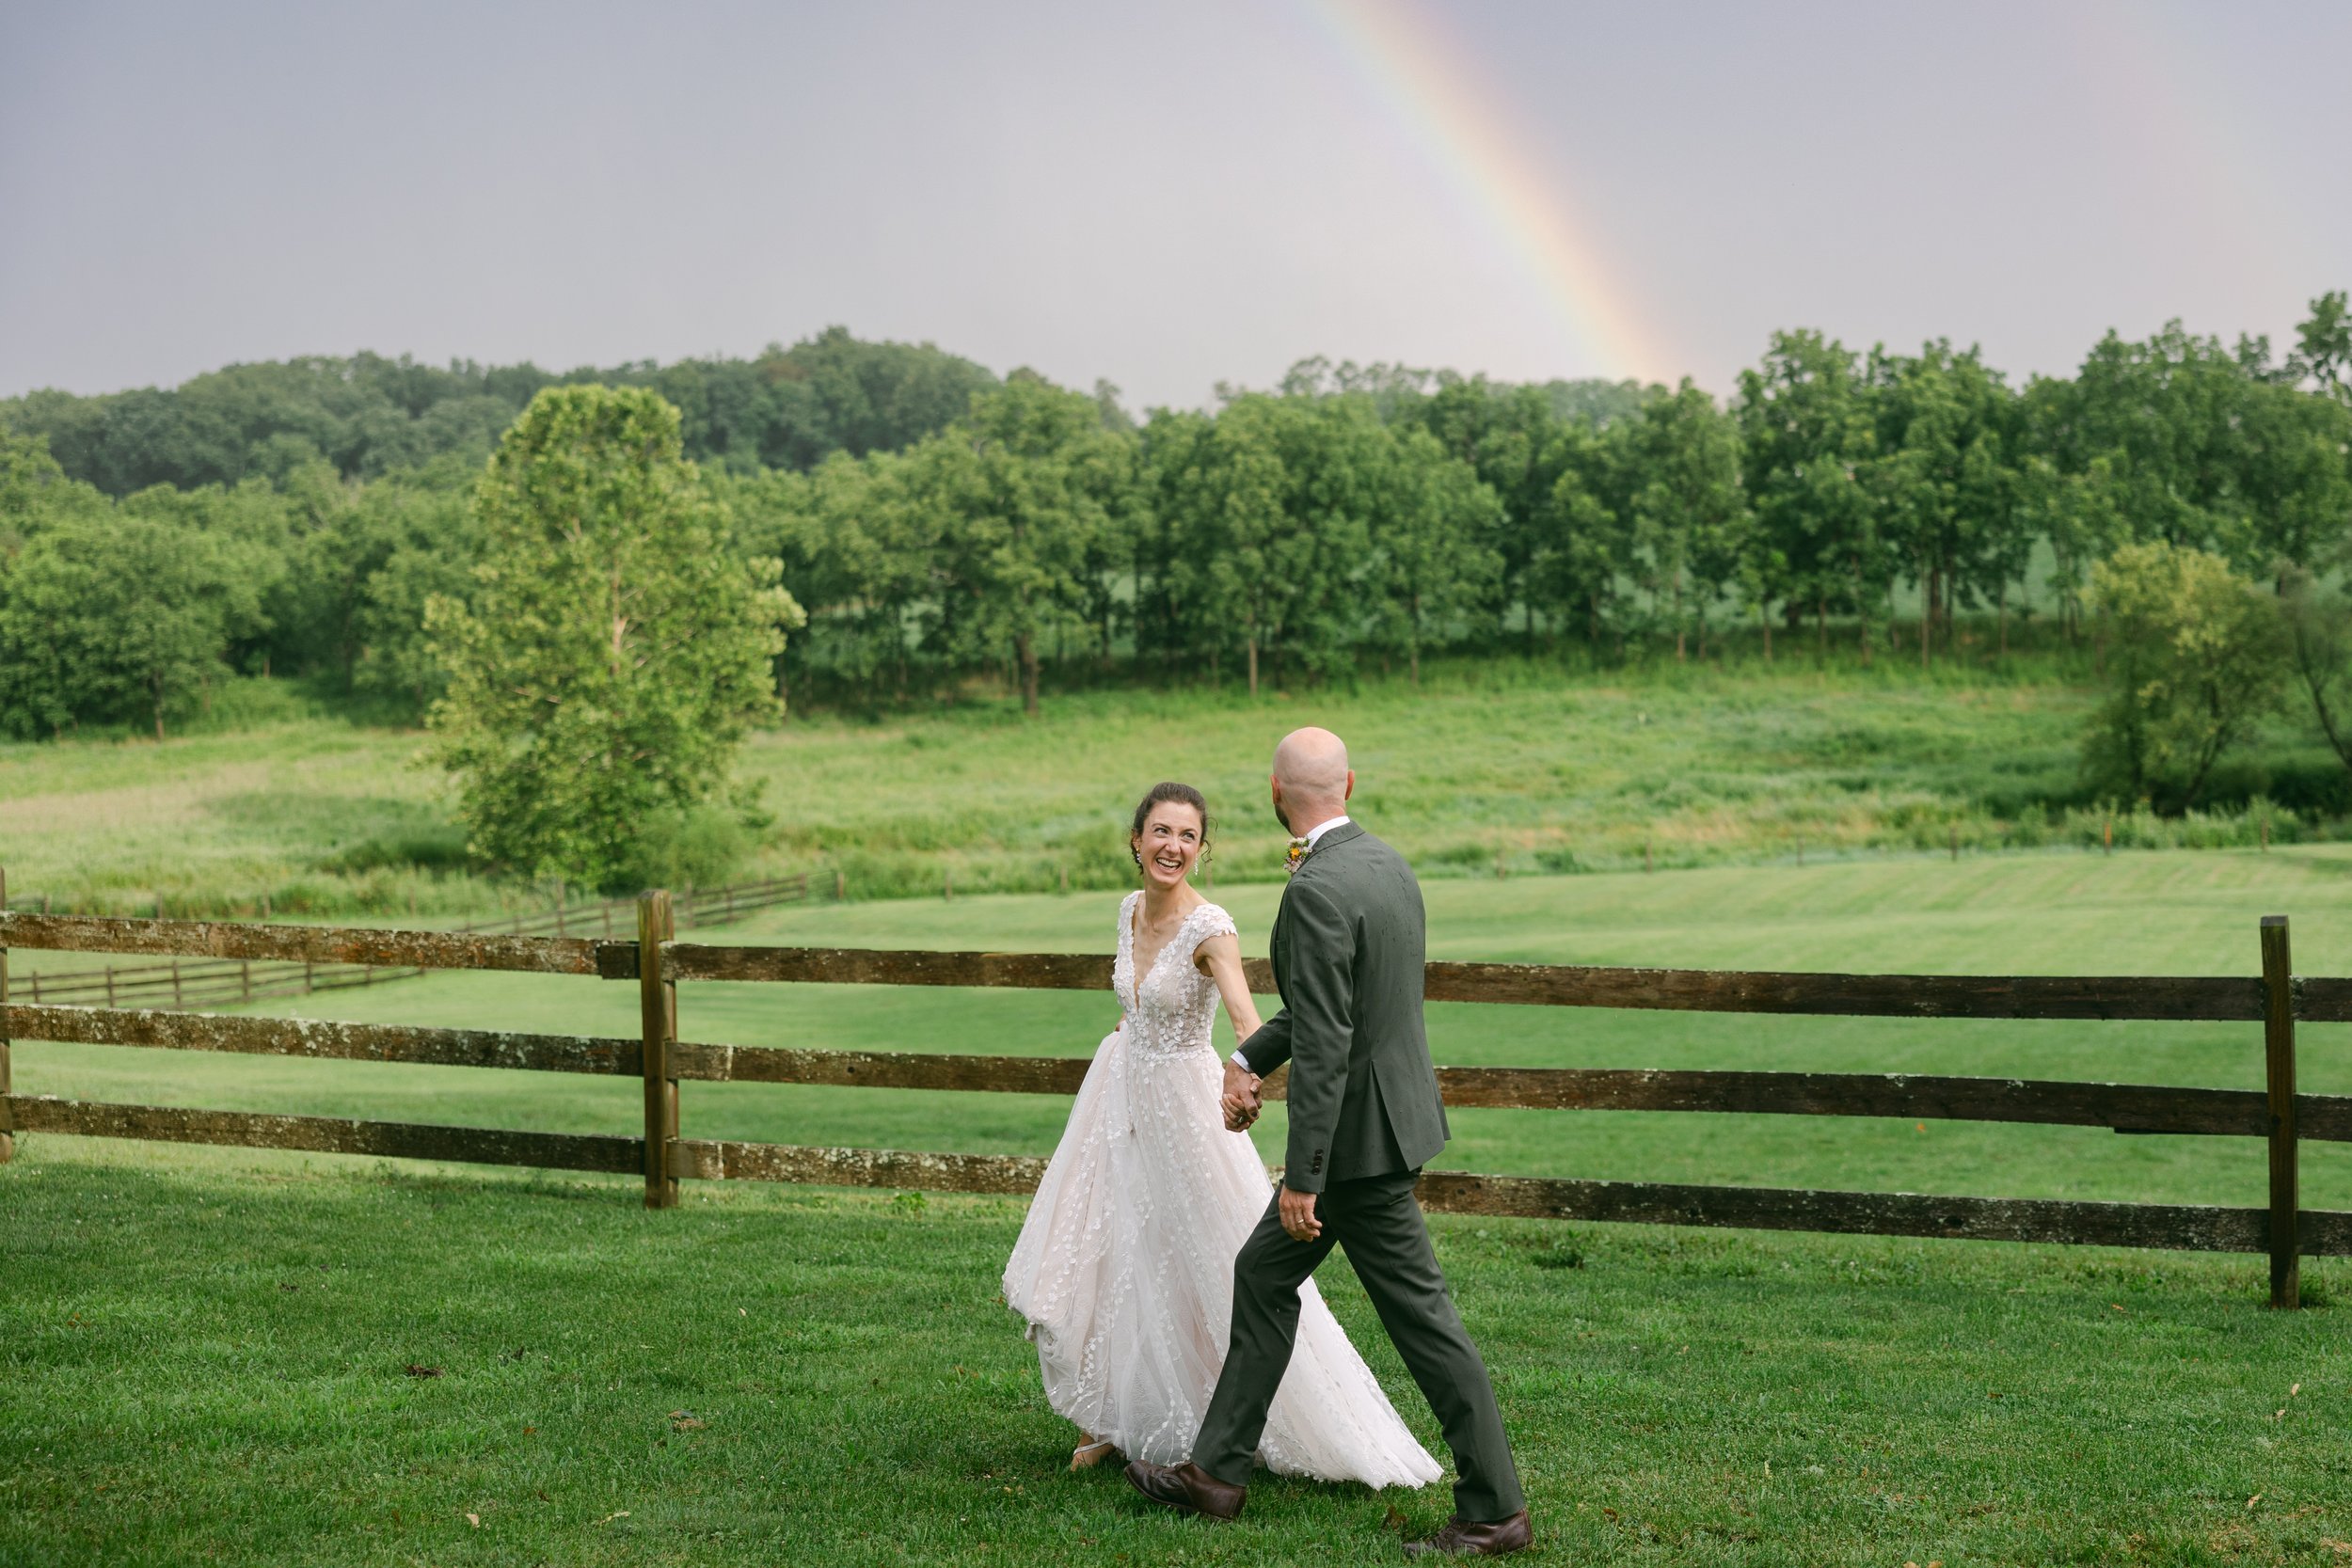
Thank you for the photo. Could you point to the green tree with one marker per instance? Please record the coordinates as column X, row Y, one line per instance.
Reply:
column 114, row 618
column 1261, row 544
column 421, row 544
column 613, row 652
column 2195, row 656
column 1943, row 479
column 2318, row 619
column 1504, row 434
column 1582, row 550
column 860, row 555
column 1024, row 491
column 1689, row 516
column 1430, row 528
column 2323, row 345
column 1808, row 437
column 36, row 494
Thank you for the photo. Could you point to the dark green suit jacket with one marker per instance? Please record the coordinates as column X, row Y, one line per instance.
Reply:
column 1348, row 947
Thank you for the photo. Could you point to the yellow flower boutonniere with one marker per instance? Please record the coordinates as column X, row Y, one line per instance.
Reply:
column 1296, row 853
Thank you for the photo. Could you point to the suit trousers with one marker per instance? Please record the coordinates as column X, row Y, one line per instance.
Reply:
column 1377, row 1219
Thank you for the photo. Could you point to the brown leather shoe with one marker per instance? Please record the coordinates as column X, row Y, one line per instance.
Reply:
column 1461, row 1538
column 1187, row 1488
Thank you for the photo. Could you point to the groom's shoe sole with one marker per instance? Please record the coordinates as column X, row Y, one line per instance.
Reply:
column 1187, row 1489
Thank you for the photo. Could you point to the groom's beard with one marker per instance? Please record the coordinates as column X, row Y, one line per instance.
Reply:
column 1282, row 815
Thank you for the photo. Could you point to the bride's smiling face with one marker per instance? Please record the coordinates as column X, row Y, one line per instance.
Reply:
column 1170, row 844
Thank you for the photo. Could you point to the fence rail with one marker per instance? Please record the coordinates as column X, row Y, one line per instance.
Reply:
column 658, row 963
column 206, row 977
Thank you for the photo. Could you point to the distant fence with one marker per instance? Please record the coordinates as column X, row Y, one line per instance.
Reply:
column 182, row 983
column 657, row 963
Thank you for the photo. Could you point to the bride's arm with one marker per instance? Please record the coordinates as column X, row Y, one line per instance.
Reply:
column 1220, row 955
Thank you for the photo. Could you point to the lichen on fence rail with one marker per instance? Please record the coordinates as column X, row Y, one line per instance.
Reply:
column 329, row 1134
column 221, row 938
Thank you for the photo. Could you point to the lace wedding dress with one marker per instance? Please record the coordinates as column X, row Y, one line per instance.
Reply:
column 1124, row 1268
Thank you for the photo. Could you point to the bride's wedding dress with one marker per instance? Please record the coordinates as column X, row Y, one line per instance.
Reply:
column 1125, row 1269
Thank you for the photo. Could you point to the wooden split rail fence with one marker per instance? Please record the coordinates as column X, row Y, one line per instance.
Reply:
column 183, row 983
column 658, row 964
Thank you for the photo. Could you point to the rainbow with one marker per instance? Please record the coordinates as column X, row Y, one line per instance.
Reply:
column 1435, row 91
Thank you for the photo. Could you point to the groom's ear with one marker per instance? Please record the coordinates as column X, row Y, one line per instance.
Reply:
column 1350, row 793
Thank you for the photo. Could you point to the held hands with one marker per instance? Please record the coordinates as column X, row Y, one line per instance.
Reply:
column 1298, row 1210
column 1240, row 1100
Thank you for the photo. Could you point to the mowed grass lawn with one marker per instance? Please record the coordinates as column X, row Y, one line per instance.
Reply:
column 207, row 1358
column 204, row 1354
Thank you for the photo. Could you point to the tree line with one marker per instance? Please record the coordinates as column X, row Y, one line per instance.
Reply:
column 368, row 416
column 1351, row 518
column 1354, row 517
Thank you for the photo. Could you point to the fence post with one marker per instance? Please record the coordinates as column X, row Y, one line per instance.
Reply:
column 2287, row 1290
column 7, row 1112
column 658, row 1005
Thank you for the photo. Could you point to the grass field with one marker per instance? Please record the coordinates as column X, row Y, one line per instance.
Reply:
column 207, row 1361
column 1522, row 764
column 2167, row 913
column 204, row 1353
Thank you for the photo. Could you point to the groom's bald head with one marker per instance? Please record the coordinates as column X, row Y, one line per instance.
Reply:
column 1312, row 779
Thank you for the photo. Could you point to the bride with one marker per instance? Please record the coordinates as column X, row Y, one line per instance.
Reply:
column 1124, row 1268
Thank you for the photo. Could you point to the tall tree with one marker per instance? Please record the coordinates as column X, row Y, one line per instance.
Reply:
column 1689, row 516
column 1429, row 528
column 1807, row 439
column 1943, row 481
column 114, row 618
column 1583, row 550
column 2323, row 350
column 1265, row 542
column 613, row 652
column 1024, row 488
column 859, row 553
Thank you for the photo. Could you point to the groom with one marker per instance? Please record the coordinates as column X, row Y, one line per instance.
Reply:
column 1364, row 1115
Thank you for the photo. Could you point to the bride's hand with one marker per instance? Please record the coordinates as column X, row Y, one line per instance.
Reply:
column 1241, row 1100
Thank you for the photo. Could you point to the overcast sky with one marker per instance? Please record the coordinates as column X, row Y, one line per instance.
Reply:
column 1165, row 196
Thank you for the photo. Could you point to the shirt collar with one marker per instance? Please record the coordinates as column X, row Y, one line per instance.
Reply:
column 1315, row 835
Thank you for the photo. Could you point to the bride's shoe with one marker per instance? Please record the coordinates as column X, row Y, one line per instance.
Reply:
column 1090, row 1453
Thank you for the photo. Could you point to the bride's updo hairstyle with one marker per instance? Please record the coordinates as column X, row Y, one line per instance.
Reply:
column 1160, row 795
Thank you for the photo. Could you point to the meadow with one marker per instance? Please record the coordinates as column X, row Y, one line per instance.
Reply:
column 1501, row 765
column 307, row 1359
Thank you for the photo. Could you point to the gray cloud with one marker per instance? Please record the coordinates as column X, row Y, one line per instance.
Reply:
column 1165, row 196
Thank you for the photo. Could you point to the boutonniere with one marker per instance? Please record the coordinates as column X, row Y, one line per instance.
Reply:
column 1296, row 853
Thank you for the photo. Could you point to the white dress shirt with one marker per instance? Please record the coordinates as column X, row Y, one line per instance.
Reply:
column 1316, row 832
